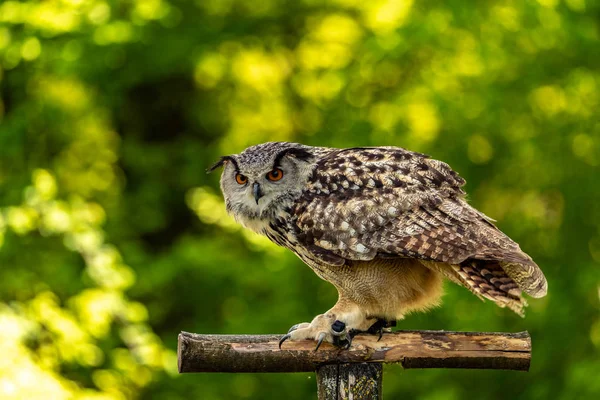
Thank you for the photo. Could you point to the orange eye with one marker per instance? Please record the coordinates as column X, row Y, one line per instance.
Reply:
column 275, row 175
column 241, row 179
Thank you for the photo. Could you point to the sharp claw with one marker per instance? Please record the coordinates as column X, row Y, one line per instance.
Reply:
column 375, row 328
column 283, row 339
column 293, row 328
column 380, row 334
column 346, row 343
column 349, row 340
column 339, row 342
column 320, row 340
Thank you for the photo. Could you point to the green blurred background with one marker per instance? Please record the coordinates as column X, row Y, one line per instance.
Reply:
column 113, row 239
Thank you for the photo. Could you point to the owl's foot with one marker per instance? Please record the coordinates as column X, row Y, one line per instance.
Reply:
column 337, row 334
column 324, row 327
column 380, row 327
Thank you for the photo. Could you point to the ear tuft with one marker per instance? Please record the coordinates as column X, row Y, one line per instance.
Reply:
column 300, row 154
column 219, row 163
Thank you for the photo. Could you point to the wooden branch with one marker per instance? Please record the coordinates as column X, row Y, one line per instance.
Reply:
column 412, row 349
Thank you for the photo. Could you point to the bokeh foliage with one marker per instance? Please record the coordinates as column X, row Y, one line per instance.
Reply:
column 112, row 238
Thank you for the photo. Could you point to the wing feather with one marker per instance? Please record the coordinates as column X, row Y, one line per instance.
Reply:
column 383, row 202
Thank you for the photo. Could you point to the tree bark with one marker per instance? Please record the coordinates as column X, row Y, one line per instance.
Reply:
column 350, row 381
column 412, row 349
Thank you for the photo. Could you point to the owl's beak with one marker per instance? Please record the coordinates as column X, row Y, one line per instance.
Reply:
column 257, row 192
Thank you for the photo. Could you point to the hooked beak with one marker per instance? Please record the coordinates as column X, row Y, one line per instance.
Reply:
column 256, row 191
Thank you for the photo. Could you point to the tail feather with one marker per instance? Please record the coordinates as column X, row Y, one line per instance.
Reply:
column 488, row 279
column 529, row 277
column 520, row 267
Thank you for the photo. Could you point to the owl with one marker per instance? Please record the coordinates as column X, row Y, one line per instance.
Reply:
column 384, row 225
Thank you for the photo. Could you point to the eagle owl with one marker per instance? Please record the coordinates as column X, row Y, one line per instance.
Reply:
column 384, row 225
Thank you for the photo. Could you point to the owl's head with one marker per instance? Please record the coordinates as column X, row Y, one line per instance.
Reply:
column 262, row 179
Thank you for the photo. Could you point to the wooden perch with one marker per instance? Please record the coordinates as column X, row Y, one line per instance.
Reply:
column 412, row 349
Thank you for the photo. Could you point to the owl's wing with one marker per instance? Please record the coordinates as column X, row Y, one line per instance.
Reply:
column 389, row 202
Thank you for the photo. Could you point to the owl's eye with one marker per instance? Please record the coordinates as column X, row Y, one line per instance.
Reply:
column 275, row 175
column 241, row 179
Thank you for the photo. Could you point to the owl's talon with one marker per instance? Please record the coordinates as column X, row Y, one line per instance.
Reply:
column 284, row 338
column 345, row 343
column 342, row 343
column 322, row 336
column 328, row 327
column 380, row 326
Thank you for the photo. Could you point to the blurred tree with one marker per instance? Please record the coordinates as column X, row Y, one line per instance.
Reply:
column 112, row 239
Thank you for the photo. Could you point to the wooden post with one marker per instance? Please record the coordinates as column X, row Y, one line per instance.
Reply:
column 350, row 381
column 355, row 373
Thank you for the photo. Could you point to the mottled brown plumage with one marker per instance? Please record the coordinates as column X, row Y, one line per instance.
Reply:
column 383, row 225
